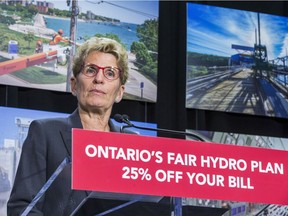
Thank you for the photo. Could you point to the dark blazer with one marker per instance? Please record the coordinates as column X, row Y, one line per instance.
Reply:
column 48, row 143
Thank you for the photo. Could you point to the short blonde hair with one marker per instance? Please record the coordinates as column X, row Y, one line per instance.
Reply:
column 104, row 45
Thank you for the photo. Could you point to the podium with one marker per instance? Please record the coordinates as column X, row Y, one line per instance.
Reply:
column 133, row 164
column 110, row 204
column 117, row 204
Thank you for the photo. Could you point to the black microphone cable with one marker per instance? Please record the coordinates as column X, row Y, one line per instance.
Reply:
column 125, row 119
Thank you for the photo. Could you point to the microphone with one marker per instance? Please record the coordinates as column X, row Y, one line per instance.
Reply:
column 125, row 119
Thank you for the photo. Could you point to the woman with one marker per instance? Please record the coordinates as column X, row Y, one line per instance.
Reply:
column 100, row 71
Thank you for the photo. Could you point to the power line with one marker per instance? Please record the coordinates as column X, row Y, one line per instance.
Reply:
column 125, row 8
column 129, row 9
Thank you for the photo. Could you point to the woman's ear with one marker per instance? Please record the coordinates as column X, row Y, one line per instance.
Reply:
column 73, row 86
column 118, row 99
column 120, row 94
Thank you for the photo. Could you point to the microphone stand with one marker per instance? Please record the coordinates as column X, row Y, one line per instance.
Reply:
column 177, row 201
column 197, row 137
column 41, row 192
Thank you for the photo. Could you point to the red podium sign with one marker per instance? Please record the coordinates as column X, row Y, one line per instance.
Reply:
column 125, row 163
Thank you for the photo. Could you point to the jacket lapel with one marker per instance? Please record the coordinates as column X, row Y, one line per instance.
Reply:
column 73, row 121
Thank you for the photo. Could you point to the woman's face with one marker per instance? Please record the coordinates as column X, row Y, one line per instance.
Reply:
column 97, row 93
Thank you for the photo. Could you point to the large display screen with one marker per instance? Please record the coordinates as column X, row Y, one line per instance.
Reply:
column 236, row 60
column 28, row 59
column 14, row 129
column 242, row 208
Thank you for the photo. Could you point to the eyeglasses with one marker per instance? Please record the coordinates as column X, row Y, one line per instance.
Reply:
column 109, row 72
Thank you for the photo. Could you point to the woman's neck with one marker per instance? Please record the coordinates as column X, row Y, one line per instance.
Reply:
column 94, row 121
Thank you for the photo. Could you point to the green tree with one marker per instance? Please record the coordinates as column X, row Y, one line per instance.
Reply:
column 32, row 9
column 4, row 42
column 108, row 35
column 148, row 34
column 50, row 11
column 7, row 20
column 29, row 37
column 142, row 56
column 146, row 50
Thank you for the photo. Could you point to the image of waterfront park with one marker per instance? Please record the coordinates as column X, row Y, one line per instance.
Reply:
column 23, row 26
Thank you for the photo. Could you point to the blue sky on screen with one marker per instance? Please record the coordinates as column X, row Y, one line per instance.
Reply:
column 135, row 11
column 212, row 30
column 10, row 130
column 8, row 127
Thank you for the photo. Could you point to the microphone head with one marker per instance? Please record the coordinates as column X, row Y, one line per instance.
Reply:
column 125, row 117
column 118, row 118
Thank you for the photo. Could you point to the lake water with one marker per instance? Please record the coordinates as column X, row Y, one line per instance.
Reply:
column 125, row 31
